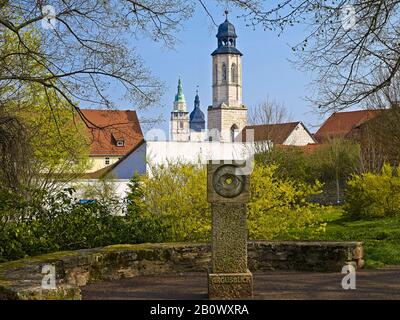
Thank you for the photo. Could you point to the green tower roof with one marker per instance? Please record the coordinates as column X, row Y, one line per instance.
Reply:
column 180, row 97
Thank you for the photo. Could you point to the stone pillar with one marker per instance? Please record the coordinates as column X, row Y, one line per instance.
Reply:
column 228, row 194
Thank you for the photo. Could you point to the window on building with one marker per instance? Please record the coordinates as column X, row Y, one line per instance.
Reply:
column 234, row 132
column 107, row 161
column 224, row 72
column 181, row 124
column 120, row 143
column 234, row 73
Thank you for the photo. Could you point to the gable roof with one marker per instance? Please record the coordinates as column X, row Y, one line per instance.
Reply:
column 277, row 133
column 105, row 126
column 339, row 124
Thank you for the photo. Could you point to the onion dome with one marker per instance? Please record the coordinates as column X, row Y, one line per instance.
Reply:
column 226, row 38
column 197, row 119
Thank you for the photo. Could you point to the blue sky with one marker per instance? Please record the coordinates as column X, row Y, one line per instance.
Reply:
column 266, row 69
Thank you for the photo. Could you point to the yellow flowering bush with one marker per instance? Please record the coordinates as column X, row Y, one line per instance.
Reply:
column 279, row 206
column 373, row 195
column 176, row 195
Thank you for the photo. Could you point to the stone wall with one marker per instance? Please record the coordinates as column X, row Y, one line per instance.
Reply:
column 304, row 256
column 22, row 279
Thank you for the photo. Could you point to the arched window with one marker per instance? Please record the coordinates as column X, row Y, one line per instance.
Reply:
column 234, row 132
column 234, row 73
column 216, row 73
column 223, row 72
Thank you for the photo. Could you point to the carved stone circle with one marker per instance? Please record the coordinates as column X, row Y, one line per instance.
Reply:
column 226, row 183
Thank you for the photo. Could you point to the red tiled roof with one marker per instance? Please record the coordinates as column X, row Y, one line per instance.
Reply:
column 340, row 124
column 311, row 148
column 105, row 126
column 307, row 149
column 277, row 133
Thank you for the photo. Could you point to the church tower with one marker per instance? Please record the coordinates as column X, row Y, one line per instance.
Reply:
column 197, row 121
column 180, row 117
column 227, row 116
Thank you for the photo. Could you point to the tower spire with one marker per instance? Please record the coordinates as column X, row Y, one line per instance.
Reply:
column 197, row 120
column 197, row 99
column 226, row 38
column 180, row 117
column 180, row 97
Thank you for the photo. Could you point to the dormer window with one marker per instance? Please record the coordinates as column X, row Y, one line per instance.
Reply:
column 118, row 139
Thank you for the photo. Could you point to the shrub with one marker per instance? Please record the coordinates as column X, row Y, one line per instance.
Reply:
column 373, row 195
column 169, row 205
column 332, row 162
column 176, row 195
column 291, row 162
column 56, row 222
column 279, row 206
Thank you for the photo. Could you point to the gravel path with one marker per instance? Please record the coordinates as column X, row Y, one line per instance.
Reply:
column 371, row 284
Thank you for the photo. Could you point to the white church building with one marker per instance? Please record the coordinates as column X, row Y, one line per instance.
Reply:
column 189, row 140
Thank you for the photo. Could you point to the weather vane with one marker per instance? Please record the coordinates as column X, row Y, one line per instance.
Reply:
column 226, row 9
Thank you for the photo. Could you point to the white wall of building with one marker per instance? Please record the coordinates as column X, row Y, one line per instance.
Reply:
column 134, row 162
column 162, row 152
column 120, row 187
column 299, row 137
column 154, row 153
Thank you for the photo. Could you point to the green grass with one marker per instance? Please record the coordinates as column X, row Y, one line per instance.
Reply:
column 381, row 237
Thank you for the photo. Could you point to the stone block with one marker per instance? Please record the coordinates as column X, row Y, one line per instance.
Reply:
column 229, row 238
column 219, row 191
column 224, row 286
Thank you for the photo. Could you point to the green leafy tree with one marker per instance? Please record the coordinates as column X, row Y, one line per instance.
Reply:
column 336, row 161
column 44, row 144
column 60, row 149
column 135, row 196
column 147, row 227
column 291, row 162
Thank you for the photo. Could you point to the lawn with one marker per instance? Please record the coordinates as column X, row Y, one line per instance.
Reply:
column 381, row 237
